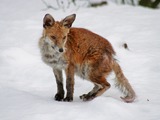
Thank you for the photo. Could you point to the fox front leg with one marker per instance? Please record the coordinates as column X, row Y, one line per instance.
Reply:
column 59, row 80
column 69, row 83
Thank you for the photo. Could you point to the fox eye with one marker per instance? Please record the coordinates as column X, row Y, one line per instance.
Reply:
column 53, row 37
column 64, row 37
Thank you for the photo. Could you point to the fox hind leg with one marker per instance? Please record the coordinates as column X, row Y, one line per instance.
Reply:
column 91, row 93
column 100, row 87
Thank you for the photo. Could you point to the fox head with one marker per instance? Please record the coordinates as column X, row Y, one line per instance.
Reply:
column 55, row 32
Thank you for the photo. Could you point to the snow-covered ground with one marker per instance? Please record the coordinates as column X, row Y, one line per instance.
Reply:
column 27, row 85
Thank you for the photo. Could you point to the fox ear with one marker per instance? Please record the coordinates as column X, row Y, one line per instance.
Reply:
column 67, row 21
column 48, row 21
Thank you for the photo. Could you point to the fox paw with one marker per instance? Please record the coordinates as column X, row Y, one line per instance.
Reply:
column 68, row 99
column 59, row 97
column 87, row 97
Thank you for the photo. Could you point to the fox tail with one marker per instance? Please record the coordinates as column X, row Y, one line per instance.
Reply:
column 123, row 84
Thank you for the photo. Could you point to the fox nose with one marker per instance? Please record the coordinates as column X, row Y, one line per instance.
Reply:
column 61, row 50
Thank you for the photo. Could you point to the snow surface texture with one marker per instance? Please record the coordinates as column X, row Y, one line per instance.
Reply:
column 27, row 85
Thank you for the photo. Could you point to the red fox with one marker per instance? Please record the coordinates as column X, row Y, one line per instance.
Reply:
column 82, row 52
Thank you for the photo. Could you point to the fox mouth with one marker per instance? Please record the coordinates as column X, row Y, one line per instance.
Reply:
column 57, row 50
column 53, row 47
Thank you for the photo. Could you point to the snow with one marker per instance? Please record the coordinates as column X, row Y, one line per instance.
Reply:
column 27, row 85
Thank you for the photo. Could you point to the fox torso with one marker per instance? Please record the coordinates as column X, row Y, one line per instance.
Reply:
column 83, row 48
column 88, row 49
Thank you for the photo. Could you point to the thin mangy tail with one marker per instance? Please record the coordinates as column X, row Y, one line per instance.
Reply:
column 123, row 84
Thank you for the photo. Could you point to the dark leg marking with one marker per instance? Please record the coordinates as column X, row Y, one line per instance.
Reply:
column 69, row 83
column 69, row 87
column 59, row 80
